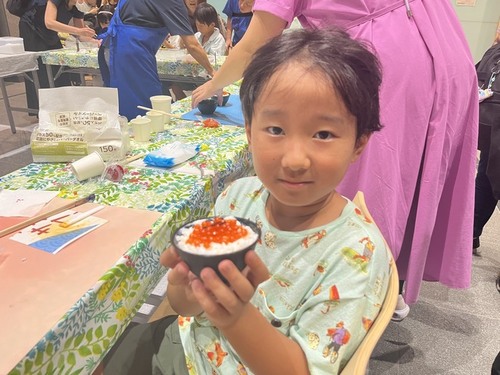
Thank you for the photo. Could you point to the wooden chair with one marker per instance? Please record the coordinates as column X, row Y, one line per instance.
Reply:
column 358, row 363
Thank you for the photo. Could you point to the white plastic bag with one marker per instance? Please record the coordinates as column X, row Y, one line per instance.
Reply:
column 76, row 121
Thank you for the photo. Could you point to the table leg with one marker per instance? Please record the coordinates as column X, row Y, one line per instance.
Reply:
column 36, row 82
column 50, row 76
column 7, row 106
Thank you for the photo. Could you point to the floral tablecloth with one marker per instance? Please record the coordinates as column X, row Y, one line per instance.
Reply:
column 79, row 340
column 168, row 64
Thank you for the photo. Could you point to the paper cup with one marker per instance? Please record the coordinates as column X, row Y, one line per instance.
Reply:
column 141, row 128
column 157, row 123
column 162, row 103
column 89, row 166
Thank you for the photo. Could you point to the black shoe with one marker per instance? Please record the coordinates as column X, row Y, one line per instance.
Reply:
column 475, row 246
column 498, row 283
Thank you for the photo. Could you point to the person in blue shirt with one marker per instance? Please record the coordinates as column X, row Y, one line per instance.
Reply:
column 127, row 56
column 238, row 20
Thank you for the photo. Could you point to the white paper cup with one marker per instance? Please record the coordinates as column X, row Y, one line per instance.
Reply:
column 89, row 166
column 157, row 123
column 141, row 128
column 162, row 103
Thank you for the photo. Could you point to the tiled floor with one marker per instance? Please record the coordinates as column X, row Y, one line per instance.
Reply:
column 453, row 332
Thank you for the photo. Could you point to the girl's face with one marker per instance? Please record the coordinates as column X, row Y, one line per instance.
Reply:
column 302, row 139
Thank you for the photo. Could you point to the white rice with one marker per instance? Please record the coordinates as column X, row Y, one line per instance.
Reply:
column 214, row 248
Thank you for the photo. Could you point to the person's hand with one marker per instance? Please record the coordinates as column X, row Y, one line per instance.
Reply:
column 229, row 45
column 179, row 274
column 86, row 32
column 224, row 304
column 246, row 5
column 205, row 91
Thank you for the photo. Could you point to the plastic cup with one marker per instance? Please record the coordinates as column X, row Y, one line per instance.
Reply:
column 89, row 166
column 162, row 103
column 157, row 123
column 141, row 128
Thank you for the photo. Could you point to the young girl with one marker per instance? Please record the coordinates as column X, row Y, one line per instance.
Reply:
column 319, row 274
column 209, row 35
column 104, row 16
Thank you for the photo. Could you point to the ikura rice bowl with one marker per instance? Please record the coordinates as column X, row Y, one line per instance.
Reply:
column 213, row 236
column 205, row 243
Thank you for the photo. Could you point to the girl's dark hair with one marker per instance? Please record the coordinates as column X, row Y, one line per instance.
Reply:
column 350, row 66
column 207, row 14
column 105, row 13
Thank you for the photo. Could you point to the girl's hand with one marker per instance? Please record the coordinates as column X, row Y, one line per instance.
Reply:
column 224, row 304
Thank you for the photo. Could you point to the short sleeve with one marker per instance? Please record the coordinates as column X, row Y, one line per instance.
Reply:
column 228, row 10
column 284, row 9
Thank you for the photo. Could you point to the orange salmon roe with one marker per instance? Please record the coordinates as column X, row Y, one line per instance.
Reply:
column 217, row 230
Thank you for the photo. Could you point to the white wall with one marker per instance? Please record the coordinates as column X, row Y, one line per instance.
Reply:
column 479, row 23
column 219, row 5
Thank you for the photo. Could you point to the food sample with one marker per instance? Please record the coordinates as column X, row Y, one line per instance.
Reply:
column 217, row 235
column 210, row 123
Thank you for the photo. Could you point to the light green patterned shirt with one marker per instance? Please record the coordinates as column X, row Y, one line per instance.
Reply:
column 327, row 286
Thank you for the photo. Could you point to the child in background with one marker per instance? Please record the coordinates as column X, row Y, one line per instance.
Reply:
column 320, row 272
column 209, row 36
column 104, row 16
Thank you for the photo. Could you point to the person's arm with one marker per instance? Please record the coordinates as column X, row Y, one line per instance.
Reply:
column 268, row 351
column 52, row 23
column 229, row 34
column 196, row 50
column 263, row 27
column 178, row 291
column 263, row 348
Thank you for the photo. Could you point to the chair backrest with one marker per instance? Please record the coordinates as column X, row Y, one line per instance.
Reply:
column 358, row 363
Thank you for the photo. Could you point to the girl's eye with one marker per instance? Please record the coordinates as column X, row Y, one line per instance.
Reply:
column 274, row 130
column 324, row 135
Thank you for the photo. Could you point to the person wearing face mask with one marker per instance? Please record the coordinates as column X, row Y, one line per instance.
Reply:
column 39, row 27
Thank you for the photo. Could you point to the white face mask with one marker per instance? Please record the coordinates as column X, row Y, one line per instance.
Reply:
column 83, row 6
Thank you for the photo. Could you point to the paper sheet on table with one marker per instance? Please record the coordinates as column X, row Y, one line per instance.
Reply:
column 24, row 202
column 49, row 236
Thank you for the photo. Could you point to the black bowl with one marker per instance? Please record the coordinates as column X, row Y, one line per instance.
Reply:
column 197, row 262
column 207, row 106
column 225, row 98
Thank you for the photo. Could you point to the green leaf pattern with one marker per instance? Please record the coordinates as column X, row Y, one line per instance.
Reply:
column 168, row 65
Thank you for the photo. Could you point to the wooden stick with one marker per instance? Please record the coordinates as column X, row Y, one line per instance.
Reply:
column 79, row 217
column 37, row 218
column 162, row 112
column 132, row 158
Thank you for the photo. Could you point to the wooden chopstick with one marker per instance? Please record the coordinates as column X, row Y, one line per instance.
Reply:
column 132, row 158
column 162, row 112
column 37, row 218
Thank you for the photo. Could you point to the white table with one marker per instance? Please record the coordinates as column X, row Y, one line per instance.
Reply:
column 13, row 65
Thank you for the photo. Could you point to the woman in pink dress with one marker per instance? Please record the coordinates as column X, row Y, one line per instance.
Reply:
column 418, row 172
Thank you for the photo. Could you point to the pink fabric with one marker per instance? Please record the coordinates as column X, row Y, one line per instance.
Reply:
column 430, row 113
